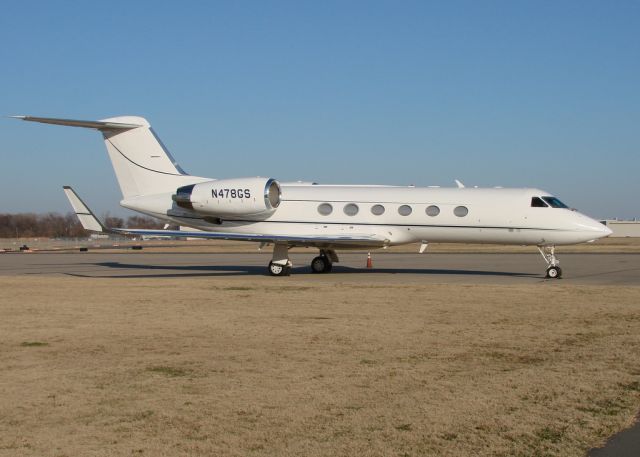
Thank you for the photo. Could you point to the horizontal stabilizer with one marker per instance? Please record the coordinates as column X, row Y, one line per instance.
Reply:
column 99, row 125
column 88, row 220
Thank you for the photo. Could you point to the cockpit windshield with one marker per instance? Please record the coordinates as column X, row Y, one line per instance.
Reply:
column 536, row 202
column 554, row 202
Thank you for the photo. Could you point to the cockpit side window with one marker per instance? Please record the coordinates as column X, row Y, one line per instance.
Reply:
column 554, row 202
column 536, row 202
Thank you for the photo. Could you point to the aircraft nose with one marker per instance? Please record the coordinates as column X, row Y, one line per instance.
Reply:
column 596, row 228
column 601, row 229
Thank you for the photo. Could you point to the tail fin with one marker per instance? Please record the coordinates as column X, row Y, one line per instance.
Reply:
column 142, row 164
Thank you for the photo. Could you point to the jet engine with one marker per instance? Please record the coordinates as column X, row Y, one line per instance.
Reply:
column 241, row 197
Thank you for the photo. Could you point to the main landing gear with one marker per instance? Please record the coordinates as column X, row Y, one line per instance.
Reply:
column 321, row 264
column 324, row 262
column 276, row 269
column 548, row 254
column 280, row 264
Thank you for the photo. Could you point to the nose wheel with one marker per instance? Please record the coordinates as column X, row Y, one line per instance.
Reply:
column 554, row 272
column 548, row 254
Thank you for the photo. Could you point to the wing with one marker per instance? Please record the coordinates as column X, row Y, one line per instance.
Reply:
column 294, row 240
column 91, row 223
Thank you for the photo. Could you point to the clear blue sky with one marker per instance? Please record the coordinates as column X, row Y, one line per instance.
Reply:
column 510, row 93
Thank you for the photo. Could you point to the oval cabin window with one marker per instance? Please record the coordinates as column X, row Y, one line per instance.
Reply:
column 325, row 209
column 404, row 210
column 432, row 211
column 461, row 211
column 377, row 210
column 351, row 209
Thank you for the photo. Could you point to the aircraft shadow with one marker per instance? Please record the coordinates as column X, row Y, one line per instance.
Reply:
column 181, row 271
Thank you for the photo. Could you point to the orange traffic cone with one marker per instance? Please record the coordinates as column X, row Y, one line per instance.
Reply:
column 369, row 262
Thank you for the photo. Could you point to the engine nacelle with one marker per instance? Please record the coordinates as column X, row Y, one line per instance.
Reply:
column 241, row 197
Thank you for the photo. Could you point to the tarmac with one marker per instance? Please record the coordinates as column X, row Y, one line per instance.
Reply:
column 482, row 268
column 624, row 444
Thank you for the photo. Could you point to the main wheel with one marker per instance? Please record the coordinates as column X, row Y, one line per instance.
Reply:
column 554, row 272
column 319, row 264
column 276, row 269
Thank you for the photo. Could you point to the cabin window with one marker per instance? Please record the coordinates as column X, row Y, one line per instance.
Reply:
column 351, row 209
column 554, row 202
column 537, row 202
column 404, row 210
column 461, row 211
column 325, row 209
column 432, row 211
column 377, row 210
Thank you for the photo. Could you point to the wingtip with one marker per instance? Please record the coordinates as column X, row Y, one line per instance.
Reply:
column 18, row 117
column 66, row 187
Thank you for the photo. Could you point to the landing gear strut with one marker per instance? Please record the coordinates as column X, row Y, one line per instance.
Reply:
column 280, row 264
column 324, row 262
column 548, row 254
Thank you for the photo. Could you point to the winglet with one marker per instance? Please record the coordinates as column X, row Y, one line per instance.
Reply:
column 88, row 220
column 459, row 184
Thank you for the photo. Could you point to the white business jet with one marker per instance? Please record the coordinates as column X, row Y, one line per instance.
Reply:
column 327, row 217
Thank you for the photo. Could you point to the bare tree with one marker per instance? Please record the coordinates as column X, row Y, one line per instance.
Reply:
column 54, row 225
column 144, row 222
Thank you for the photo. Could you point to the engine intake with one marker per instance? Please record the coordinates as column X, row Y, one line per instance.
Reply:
column 242, row 197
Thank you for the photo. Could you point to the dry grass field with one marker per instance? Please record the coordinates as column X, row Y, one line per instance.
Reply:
column 264, row 366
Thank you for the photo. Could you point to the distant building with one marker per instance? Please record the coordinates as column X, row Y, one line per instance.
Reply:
column 623, row 229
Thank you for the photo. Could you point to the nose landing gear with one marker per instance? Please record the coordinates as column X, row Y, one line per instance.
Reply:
column 554, row 272
column 548, row 254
